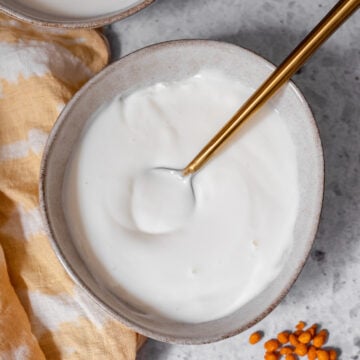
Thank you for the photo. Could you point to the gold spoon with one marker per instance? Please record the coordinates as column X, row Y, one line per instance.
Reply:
column 159, row 186
column 337, row 15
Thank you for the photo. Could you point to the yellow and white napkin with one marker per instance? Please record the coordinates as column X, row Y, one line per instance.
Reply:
column 43, row 314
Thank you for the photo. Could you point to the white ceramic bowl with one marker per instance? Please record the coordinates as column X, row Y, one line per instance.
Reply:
column 166, row 62
column 32, row 15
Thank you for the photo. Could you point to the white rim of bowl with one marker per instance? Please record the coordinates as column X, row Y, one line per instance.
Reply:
column 73, row 23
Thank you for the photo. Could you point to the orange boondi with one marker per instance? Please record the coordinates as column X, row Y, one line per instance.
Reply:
column 312, row 353
column 271, row 345
column 272, row 356
column 300, row 325
column 305, row 337
column 299, row 343
column 286, row 350
column 301, row 349
column 333, row 354
column 255, row 337
column 283, row 337
column 322, row 355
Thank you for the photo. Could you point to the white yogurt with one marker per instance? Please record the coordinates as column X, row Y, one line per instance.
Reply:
column 79, row 8
column 235, row 240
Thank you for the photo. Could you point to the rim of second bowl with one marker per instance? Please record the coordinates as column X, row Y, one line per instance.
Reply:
column 72, row 272
column 73, row 23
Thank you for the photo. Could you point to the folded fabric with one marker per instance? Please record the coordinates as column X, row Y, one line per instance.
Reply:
column 43, row 314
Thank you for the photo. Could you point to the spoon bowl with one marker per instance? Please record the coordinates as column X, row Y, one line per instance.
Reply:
column 163, row 199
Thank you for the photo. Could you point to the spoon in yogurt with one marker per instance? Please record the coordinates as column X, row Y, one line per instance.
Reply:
column 156, row 188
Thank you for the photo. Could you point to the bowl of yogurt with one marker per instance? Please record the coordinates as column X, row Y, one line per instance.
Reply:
column 231, row 257
column 72, row 13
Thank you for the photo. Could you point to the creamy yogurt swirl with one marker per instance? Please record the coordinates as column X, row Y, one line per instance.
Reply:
column 241, row 228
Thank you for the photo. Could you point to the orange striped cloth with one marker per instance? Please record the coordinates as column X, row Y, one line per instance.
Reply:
column 43, row 314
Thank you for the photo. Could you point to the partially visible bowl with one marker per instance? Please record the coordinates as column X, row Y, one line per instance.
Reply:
column 168, row 62
column 29, row 14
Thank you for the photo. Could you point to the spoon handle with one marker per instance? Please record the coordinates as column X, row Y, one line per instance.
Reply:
column 337, row 15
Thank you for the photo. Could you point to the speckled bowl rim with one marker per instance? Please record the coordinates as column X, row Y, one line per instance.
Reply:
column 70, row 270
column 81, row 23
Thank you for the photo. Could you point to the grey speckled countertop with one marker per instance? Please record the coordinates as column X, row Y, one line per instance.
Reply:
column 328, row 289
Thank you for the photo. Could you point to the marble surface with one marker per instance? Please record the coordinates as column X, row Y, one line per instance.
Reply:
column 328, row 289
